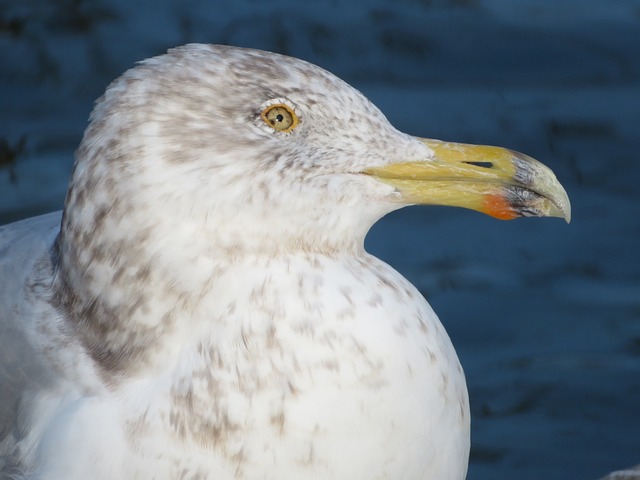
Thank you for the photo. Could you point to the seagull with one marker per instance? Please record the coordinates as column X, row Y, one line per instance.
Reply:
column 204, row 307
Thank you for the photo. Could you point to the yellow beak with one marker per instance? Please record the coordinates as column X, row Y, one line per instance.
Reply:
column 492, row 180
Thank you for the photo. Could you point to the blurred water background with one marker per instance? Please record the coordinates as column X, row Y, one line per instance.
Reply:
column 545, row 316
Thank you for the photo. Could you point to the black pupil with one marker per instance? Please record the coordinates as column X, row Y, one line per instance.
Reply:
column 279, row 118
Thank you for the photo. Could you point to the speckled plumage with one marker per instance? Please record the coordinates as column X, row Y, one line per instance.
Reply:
column 207, row 310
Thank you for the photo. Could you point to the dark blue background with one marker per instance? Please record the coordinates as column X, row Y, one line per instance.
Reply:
column 545, row 316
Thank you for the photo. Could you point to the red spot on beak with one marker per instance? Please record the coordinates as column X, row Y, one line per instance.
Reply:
column 498, row 207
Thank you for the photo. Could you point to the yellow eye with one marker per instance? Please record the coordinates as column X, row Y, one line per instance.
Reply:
column 280, row 117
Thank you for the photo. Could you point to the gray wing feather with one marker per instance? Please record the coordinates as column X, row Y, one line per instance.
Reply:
column 25, row 250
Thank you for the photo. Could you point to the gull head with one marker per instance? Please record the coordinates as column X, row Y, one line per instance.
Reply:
column 264, row 151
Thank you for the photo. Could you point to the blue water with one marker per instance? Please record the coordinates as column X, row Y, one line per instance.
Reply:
column 545, row 316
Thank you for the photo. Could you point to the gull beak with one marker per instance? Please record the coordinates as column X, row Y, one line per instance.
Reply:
column 492, row 180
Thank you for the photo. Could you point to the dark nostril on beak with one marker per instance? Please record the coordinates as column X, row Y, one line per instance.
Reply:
column 481, row 164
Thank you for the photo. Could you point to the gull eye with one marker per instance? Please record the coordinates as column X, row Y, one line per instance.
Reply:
column 280, row 117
